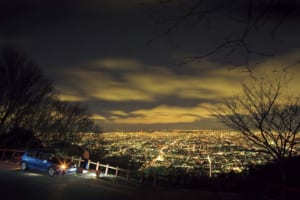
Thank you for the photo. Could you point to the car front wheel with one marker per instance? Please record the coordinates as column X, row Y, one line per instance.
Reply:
column 24, row 166
column 51, row 171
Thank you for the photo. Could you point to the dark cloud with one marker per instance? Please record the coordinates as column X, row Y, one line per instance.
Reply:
column 230, row 32
column 98, row 52
column 19, row 17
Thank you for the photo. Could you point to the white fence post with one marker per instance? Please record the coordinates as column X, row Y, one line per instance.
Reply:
column 88, row 165
column 97, row 169
column 106, row 169
column 97, row 166
column 79, row 162
column 117, row 169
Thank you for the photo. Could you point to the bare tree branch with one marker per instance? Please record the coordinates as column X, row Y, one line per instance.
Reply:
column 264, row 116
column 254, row 19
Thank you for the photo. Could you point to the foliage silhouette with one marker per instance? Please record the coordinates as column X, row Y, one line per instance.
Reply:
column 28, row 104
column 265, row 116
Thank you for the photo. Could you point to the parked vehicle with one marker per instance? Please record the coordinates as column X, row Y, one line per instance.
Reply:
column 46, row 161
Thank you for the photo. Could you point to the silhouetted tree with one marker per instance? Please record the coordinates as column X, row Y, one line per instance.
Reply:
column 20, row 138
column 23, row 89
column 66, row 123
column 28, row 104
column 265, row 116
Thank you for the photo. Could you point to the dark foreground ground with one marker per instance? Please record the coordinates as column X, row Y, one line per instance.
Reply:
column 15, row 184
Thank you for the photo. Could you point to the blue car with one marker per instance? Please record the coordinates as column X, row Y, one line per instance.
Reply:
column 46, row 161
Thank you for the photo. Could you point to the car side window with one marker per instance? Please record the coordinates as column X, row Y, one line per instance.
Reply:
column 32, row 154
column 40, row 155
column 50, row 156
column 45, row 156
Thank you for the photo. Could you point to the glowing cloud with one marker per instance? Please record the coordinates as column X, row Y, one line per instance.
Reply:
column 126, row 80
column 166, row 114
column 119, row 113
column 117, row 63
column 131, row 80
column 98, row 117
column 71, row 98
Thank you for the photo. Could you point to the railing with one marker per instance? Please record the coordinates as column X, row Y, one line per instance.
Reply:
column 11, row 153
column 15, row 154
column 117, row 171
column 280, row 191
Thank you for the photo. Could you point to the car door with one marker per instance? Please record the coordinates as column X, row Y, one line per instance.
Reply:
column 42, row 161
column 32, row 159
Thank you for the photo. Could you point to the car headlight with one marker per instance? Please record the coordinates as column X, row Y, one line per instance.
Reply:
column 63, row 166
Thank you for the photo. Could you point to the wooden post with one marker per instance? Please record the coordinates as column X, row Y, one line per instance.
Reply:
column 127, row 175
column 106, row 169
column 79, row 162
column 154, row 179
column 14, row 153
column 142, row 177
column 97, row 169
column 116, row 174
column 97, row 166
column 3, row 155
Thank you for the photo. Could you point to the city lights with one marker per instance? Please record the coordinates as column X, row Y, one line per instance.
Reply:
column 209, row 152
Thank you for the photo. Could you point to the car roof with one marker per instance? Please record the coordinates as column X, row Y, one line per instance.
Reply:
column 41, row 150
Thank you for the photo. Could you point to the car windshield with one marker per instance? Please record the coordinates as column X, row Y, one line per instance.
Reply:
column 54, row 157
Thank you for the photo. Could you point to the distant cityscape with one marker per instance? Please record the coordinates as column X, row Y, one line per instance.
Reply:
column 207, row 152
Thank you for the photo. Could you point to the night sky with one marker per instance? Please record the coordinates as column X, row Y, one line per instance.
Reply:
column 123, row 59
